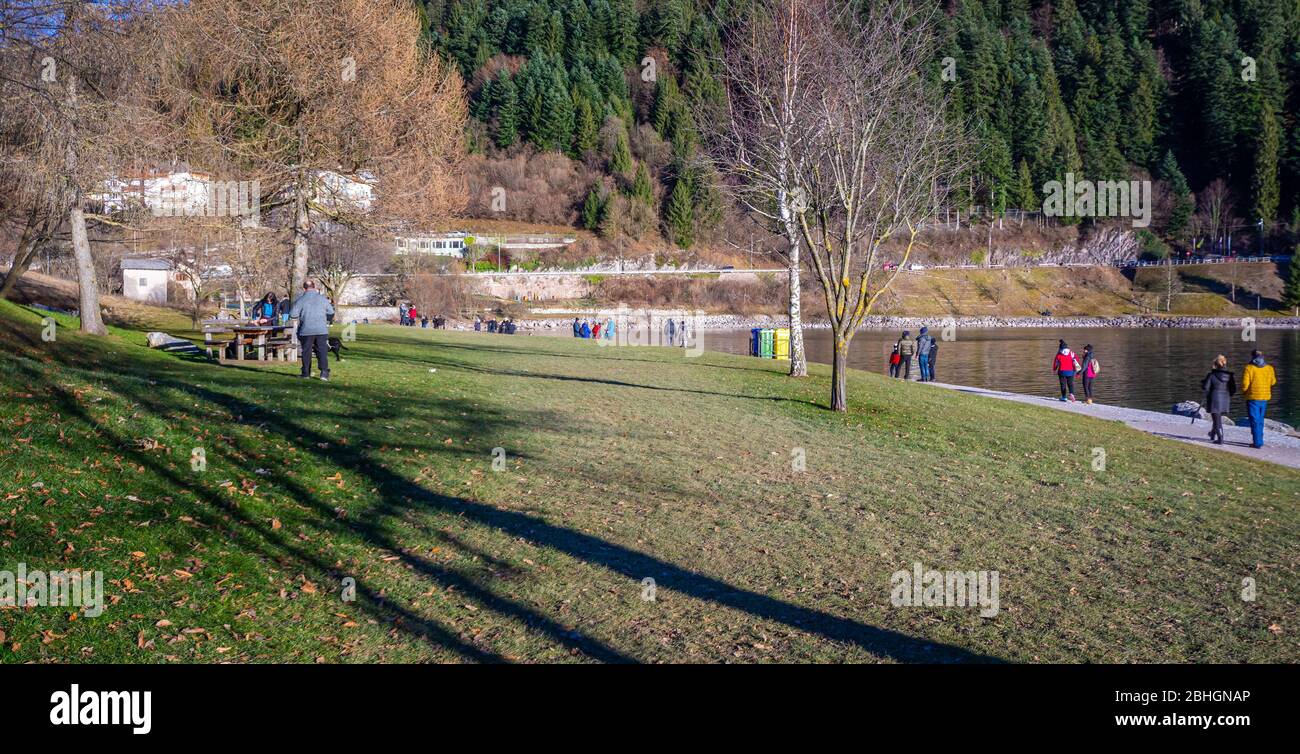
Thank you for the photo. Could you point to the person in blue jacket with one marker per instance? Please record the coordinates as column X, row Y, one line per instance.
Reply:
column 585, row 332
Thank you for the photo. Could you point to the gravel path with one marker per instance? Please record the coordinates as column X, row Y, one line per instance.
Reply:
column 1278, row 448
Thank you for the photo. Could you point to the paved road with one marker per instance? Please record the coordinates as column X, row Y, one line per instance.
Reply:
column 1278, row 448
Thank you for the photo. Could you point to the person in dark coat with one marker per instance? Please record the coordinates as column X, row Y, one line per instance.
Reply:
column 934, row 354
column 1219, row 387
column 577, row 328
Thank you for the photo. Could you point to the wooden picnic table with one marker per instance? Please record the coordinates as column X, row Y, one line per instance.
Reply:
column 245, row 334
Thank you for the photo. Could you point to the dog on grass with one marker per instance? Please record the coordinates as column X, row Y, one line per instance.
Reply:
column 336, row 347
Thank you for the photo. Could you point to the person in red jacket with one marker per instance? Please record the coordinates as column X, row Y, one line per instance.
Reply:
column 412, row 315
column 1065, row 365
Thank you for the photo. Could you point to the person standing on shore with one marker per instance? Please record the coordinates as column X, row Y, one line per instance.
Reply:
column 905, row 348
column 1065, row 365
column 1219, row 386
column 934, row 354
column 1257, row 381
column 577, row 328
column 312, row 311
column 1091, row 368
column 894, row 361
column 923, row 342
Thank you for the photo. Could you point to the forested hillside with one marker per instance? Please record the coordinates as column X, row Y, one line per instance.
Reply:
column 1202, row 96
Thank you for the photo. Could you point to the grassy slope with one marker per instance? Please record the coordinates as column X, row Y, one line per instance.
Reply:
column 621, row 464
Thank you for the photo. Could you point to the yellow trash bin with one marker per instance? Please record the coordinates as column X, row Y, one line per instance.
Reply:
column 782, row 349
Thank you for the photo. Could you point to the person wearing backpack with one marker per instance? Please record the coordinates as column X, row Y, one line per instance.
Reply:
column 906, row 347
column 1065, row 365
column 1091, row 368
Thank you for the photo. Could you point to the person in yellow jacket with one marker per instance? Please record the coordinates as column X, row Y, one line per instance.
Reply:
column 1257, row 383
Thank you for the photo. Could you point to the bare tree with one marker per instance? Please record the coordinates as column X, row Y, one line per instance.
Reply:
column 254, row 269
column 755, row 141
column 68, row 75
column 1216, row 210
column 338, row 254
column 876, row 162
column 200, row 266
column 1216, row 217
column 318, row 101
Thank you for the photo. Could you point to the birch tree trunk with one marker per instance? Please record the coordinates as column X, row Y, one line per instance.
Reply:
column 798, row 363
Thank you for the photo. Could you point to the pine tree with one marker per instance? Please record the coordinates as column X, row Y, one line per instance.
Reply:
column 553, row 127
column 1291, row 293
column 1264, row 189
column 642, row 189
column 1025, row 196
column 620, row 163
column 593, row 209
column 1180, row 213
column 507, row 111
column 680, row 216
column 668, row 101
column 585, row 129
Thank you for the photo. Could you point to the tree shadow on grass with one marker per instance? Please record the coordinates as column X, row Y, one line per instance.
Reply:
column 399, row 493
column 613, row 353
column 501, row 372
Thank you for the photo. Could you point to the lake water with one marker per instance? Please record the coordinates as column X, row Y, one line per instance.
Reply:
column 1150, row 368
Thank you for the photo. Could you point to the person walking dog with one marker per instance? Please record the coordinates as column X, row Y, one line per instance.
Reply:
column 312, row 310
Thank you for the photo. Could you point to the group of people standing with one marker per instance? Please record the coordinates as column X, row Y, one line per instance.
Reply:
column 504, row 327
column 926, row 350
column 593, row 328
column 409, row 315
column 1257, row 381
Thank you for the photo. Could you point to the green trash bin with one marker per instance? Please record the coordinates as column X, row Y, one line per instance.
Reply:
column 765, row 343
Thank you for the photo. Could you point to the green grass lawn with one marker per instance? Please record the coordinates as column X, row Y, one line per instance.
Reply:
column 620, row 464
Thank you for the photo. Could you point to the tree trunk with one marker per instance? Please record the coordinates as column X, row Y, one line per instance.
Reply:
column 798, row 362
column 839, row 375
column 23, row 256
column 298, row 269
column 92, row 321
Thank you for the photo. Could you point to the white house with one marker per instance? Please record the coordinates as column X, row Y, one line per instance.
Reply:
column 146, row 279
column 178, row 193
